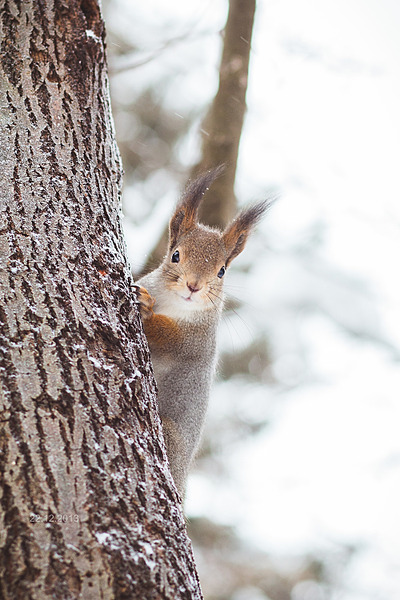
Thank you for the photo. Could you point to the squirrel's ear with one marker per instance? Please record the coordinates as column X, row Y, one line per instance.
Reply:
column 185, row 216
column 236, row 234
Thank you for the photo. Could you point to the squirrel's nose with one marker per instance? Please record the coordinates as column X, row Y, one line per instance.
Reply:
column 192, row 287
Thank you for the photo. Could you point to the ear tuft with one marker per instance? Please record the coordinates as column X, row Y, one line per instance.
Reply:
column 196, row 189
column 185, row 216
column 236, row 234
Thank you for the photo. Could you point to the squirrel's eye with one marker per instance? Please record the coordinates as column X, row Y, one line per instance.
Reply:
column 221, row 272
column 175, row 256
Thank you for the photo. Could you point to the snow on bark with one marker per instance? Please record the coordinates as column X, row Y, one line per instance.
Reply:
column 88, row 508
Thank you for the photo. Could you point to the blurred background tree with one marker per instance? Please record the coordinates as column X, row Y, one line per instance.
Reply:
column 153, row 147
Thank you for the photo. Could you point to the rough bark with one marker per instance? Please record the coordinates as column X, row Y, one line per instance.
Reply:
column 87, row 508
column 223, row 124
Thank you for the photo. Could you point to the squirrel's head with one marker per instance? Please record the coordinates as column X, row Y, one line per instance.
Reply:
column 198, row 256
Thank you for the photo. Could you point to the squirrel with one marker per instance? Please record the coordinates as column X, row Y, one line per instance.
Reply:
column 180, row 304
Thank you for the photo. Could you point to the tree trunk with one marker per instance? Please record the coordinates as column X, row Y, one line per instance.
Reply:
column 88, row 508
column 222, row 127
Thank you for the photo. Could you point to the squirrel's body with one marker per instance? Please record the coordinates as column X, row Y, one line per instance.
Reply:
column 181, row 303
column 183, row 376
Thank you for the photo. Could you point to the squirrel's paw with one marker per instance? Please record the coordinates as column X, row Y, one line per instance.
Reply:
column 146, row 303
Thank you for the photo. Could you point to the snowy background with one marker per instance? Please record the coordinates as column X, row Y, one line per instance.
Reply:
column 303, row 436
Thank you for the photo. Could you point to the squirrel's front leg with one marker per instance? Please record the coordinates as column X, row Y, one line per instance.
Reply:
column 162, row 332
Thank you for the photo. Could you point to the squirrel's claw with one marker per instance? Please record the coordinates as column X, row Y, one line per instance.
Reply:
column 146, row 303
